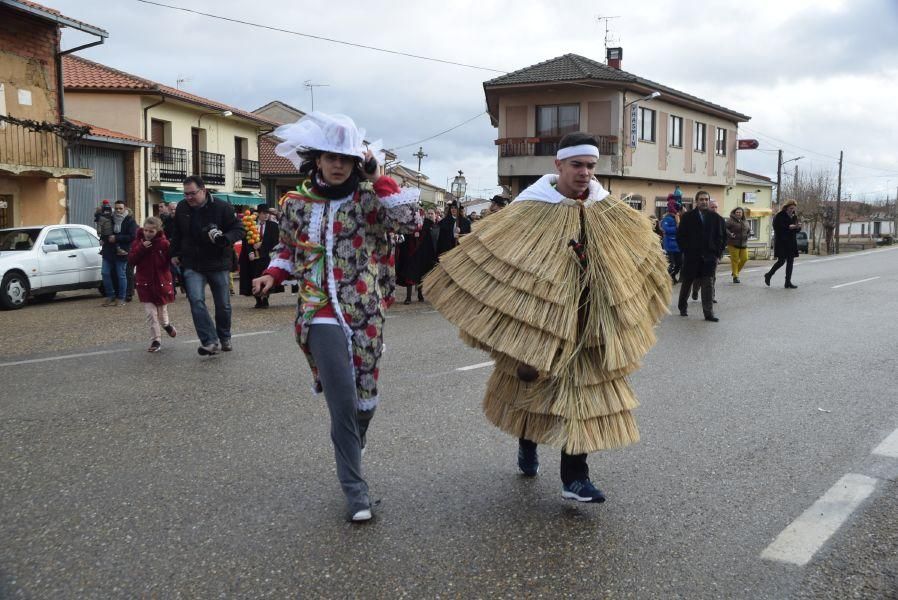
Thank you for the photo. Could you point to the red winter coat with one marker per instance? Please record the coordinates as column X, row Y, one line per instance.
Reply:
column 152, row 278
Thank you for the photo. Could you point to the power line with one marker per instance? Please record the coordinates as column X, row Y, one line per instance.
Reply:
column 477, row 116
column 319, row 37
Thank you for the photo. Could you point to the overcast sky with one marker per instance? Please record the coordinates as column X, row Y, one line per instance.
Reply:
column 816, row 76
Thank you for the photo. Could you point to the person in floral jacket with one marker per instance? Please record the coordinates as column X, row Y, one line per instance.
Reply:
column 334, row 239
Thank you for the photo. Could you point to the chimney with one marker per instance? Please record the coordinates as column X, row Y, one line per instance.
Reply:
column 614, row 57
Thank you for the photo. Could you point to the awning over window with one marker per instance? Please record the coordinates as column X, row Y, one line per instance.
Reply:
column 235, row 199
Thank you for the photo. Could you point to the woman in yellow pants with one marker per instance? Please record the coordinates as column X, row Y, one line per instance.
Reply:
column 738, row 230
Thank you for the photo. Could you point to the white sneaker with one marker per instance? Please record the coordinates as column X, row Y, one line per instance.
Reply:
column 362, row 515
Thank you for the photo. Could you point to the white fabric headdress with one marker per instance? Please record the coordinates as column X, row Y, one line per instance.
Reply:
column 319, row 131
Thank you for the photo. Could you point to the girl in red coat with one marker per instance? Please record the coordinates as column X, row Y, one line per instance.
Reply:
column 149, row 255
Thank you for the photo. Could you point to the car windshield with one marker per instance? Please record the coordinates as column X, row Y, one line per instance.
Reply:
column 18, row 239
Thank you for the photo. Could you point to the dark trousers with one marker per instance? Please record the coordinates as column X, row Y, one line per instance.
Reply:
column 573, row 466
column 707, row 290
column 674, row 263
column 779, row 263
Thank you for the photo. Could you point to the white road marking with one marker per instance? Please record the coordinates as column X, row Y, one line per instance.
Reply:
column 32, row 361
column 841, row 285
column 237, row 335
column 798, row 542
column 477, row 366
column 889, row 446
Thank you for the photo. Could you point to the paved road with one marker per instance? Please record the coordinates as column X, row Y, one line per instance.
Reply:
column 134, row 475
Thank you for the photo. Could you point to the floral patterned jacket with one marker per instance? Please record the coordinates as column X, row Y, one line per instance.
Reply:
column 340, row 254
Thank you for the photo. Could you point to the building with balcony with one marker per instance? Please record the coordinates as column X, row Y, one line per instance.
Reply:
column 647, row 146
column 34, row 139
column 187, row 134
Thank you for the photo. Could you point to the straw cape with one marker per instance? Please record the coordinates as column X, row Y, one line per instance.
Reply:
column 583, row 316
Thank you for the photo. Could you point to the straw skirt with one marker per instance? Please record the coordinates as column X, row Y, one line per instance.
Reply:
column 516, row 288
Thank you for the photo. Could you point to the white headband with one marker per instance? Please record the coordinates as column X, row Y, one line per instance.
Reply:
column 581, row 150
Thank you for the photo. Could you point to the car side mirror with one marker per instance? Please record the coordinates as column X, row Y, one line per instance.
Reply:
column 50, row 248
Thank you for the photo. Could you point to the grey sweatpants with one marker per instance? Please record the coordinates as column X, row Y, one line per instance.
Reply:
column 327, row 344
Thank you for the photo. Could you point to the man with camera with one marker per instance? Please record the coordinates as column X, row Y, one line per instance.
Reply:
column 203, row 235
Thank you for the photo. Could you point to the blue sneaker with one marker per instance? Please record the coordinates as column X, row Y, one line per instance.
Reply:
column 582, row 490
column 528, row 460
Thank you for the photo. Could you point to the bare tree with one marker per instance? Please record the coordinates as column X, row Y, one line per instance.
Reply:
column 815, row 192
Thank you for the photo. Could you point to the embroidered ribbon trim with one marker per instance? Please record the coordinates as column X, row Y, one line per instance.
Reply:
column 312, row 293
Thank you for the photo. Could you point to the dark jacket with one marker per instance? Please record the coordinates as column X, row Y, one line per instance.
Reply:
column 696, row 238
column 250, row 269
column 738, row 231
column 190, row 239
column 152, row 277
column 122, row 245
column 447, row 240
column 668, row 226
column 784, row 243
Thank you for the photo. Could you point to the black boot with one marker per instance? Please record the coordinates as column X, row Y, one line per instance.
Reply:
column 420, row 295
column 408, row 295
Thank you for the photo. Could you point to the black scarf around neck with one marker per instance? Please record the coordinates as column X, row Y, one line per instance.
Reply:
column 335, row 192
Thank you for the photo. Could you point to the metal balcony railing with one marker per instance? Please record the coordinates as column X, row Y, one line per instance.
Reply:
column 547, row 146
column 22, row 146
column 169, row 164
column 248, row 173
column 210, row 166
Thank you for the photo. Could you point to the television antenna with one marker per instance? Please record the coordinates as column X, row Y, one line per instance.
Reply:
column 308, row 83
column 608, row 38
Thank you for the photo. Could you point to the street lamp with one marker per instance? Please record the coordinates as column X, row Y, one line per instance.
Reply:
column 459, row 185
column 779, row 172
column 651, row 96
column 222, row 113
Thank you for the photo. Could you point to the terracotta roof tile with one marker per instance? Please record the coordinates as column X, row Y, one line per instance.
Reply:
column 269, row 162
column 82, row 74
column 103, row 132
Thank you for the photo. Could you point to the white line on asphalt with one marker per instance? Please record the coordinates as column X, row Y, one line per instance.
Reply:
column 798, row 542
column 889, row 446
column 841, row 285
column 31, row 361
column 236, row 335
column 477, row 366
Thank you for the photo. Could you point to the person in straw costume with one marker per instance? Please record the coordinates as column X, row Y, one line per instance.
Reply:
column 563, row 288
column 334, row 238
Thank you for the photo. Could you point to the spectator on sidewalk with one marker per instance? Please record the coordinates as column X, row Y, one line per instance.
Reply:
column 668, row 226
column 714, row 208
column 785, row 244
column 701, row 237
column 203, row 246
column 153, row 280
column 118, row 229
column 738, row 232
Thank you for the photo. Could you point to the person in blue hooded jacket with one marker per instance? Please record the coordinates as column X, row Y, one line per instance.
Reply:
column 669, row 242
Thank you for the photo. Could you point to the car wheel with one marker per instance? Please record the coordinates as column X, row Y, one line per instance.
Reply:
column 13, row 291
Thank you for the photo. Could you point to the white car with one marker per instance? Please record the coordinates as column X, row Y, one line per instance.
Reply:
column 36, row 262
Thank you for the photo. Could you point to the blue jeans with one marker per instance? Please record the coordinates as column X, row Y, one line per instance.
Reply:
column 113, row 267
column 195, row 282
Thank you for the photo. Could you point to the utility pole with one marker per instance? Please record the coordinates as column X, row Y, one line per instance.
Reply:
column 779, row 175
column 420, row 156
column 795, row 181
column 839, row 202
column 308, row 83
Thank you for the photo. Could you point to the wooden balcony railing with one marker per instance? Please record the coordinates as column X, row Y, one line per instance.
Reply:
column 547, row 146
column 20, row 145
